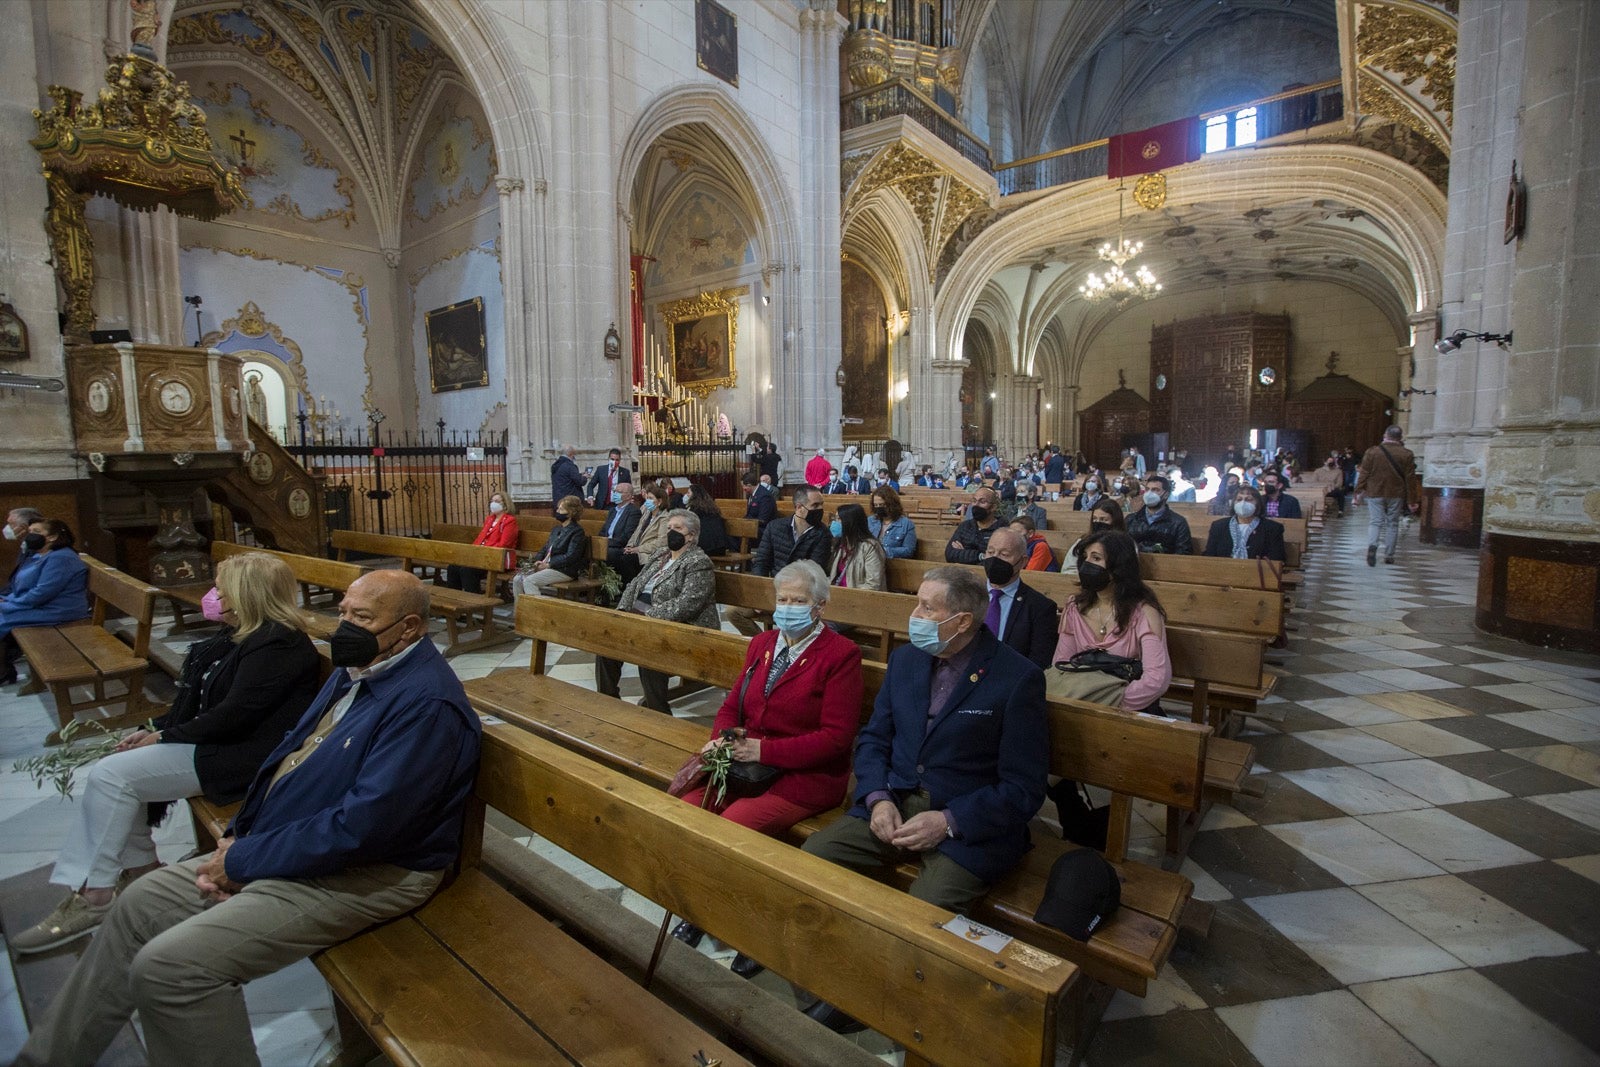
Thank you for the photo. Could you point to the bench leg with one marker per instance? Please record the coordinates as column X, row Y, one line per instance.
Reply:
column 355, row 1047
column 1085, row 1005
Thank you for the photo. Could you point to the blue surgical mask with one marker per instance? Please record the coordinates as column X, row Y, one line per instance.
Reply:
column 649, row 503
column 836, row 528
column 616, row 496
column 925, row 634
column 793, row 619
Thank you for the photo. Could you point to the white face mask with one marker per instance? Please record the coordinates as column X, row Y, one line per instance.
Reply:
column 1152, row 499
column 1091, row 488
column 11, row 535
column 495, row 507
column 1244, row 508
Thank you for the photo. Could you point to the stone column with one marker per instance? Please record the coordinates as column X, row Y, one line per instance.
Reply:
column 150, row 272
column 935, row 394
column 1540, row 564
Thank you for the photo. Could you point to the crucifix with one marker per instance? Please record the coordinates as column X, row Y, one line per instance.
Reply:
column 244, row 146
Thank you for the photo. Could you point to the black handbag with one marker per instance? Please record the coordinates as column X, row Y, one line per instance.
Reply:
column 747, row 778
column 1098, row 659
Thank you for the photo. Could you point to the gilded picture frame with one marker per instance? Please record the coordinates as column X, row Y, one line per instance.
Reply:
column 13, row 334
column 701, row 335
column 458, row 349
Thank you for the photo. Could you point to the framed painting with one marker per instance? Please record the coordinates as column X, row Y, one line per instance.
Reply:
column 716, row 40
column 13, row 334
column 458, row 351
column 702, row 333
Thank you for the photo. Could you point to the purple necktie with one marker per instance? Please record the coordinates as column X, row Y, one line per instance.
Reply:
column 992, row 619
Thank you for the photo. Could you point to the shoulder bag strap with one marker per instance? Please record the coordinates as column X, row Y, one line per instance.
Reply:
column 1405, row 490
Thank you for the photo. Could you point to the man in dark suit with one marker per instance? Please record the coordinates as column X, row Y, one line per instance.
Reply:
column 1277, row 504
column 836, row 485
column 771, row 462
column 565, row 477
column 857, row 484
column 1247, row 535
column 763, row 504
column 972, row 536
column 621, row 521
column 1023, row 618
column 1055, row 468
column 605, row 479
column 953, row 762
column 783, row 542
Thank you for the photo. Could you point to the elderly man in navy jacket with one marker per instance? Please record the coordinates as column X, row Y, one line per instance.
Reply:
column 354, row 819
column 953, row 762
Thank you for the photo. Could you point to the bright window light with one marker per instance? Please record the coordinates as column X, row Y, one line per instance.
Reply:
column 1244, row 126
column 1216, row 133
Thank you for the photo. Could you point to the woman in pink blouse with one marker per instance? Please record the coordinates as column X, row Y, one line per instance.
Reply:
column 1117, row 612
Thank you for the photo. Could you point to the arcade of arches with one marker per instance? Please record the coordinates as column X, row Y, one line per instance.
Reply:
column 861, row 220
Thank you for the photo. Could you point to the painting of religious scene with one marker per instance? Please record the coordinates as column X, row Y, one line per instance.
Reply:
column 716, row 40
column 284, row 173
column 702, row 349
column 458, row 356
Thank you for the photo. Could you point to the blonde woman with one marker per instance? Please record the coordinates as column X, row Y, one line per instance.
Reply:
column 565, row 555
column 238, row 694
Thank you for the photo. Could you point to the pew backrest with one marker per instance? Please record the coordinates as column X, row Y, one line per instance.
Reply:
column 420, row 549
column 311, row 570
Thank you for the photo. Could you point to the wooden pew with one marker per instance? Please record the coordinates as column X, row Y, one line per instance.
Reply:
column 314, row 574
column 84, row 654
column 462, row 612
column 1132, row 756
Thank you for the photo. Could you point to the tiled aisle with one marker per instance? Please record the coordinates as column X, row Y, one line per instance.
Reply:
column 1420, row 883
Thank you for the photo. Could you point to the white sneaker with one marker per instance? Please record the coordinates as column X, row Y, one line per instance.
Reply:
column 72, row 918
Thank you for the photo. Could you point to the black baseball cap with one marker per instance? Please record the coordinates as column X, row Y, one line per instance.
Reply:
column 1082, row 892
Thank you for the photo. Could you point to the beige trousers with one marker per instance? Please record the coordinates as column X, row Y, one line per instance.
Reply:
column 181, row 962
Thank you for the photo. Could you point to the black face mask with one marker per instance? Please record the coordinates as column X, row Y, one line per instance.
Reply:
column 1270, row 490
column 354, row 646
column 998, row 571
column 33, row 542
column 882, row 513
column 561, row 516
column 676, row 540
column 1093, row 577
column 814, row 517
column 980, row 514
column 1100, row 525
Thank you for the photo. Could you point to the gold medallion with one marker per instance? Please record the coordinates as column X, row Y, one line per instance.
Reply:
column 1150, row 191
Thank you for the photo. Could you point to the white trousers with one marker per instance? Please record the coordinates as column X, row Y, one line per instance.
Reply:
column 532, row 583
column 110, row 834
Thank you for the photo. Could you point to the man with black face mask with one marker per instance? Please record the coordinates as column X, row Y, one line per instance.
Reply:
column 972, row 536
column 1019, row 615
column 783, row 542
column 16, row 528
column 364, row 831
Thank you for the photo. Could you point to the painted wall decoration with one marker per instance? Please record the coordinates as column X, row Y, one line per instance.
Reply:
column 716, row 40
column 455, row 165
column 284, row 173
column 702, row 332
column 865, row 354
column 458, row 348
column 703, row 237
column 237, row 29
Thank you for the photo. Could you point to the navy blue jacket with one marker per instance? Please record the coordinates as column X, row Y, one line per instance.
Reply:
column 566, row 480
column 388, row 785
column 49, row 588
column 985, row 758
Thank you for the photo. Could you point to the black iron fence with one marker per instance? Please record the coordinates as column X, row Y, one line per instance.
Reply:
column 714, row 463
column 896, row 97
column 404, row 482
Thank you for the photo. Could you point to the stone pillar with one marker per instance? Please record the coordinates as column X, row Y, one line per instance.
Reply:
column 935, row 394
column 1539, row 578
column 522, row 212
column 1016, row 421
column 1070, row 426
column 150, row 273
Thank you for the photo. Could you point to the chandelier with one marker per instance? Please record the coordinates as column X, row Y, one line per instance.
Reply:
column 1117, row 284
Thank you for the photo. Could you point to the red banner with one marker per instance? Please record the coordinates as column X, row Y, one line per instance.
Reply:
column 1159, row 147
column 636, row 300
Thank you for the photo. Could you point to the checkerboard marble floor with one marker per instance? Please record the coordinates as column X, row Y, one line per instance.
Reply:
column 1419, row 883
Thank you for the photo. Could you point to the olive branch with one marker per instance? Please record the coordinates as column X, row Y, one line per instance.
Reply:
column 59, row 766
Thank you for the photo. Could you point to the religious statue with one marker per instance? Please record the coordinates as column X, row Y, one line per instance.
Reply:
column 255, row 398
column 145, row 25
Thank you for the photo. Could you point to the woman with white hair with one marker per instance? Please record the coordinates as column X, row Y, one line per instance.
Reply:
column 795, row 708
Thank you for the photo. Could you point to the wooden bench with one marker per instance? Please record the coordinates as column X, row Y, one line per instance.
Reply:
column 1132, row 756
column 463, row 613
column 84, row 654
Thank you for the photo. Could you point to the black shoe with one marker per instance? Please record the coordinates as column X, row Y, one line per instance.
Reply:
column 1388, row 559
column 745, row 967
column 688, row 933
column 834, row 1019
column 1372, row 556
column 10, row 677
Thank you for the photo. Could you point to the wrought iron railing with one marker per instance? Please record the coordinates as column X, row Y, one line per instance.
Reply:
column 1065, row 165
column 716, row 463
column 897, row 97
column 404, row 482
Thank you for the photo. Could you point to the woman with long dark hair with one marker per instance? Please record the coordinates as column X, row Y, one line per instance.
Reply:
column 1116, row 612
column 714, row 540
column 858, row 559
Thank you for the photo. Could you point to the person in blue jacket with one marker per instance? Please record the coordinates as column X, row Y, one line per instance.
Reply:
column 953, row 762
column 51, row 586
column 353, row 819
column 889, row 524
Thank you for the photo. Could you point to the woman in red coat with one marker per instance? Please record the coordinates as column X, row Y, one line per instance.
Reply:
column 796, row 707
column 499, row 531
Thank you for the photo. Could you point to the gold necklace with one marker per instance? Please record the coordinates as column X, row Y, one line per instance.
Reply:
column 1105, row 619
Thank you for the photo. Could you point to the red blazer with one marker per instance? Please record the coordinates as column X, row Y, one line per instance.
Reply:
column 808, row 725
column 499, row 531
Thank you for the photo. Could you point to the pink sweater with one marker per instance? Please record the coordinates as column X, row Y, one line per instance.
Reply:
column 1143, row 639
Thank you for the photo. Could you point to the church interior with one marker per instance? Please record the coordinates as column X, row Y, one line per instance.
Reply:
column 324, row 277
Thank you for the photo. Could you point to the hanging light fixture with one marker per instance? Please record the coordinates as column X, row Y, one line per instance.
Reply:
column 1117, row 284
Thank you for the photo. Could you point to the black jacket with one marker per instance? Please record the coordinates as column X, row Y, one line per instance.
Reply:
column 763, row 507
column 1264, row 542
column 973, row 539
column 253, row 695
column 1055, row 469
column 565, row 479
column 1031, row 626
column 1169, row 533
column 714, row 539
column 617, row 540
column 568, row 550
column 778, row 548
